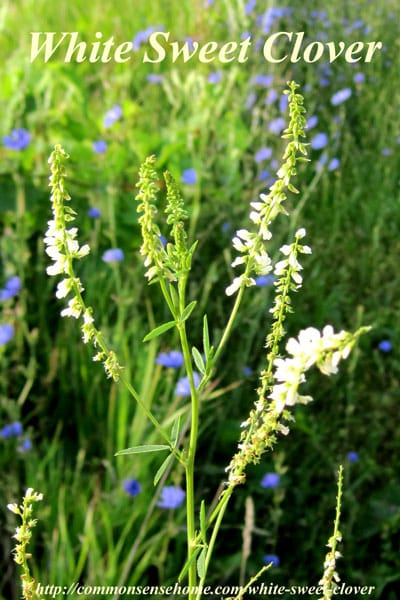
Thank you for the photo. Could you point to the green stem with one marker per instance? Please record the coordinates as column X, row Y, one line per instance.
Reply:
column 218, row 513
column 191, row 453
column 229, row 325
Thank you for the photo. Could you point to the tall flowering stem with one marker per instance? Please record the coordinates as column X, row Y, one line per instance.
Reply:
column 63, row 248
column 251, row 245
column 23, row 536
column 330, row 577
column 170, row 266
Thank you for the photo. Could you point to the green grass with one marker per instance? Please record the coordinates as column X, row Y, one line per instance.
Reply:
column 76, row 419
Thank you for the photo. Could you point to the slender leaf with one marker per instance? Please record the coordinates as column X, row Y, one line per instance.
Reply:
column 201, row 563
column 174, row 297
column 175, row 431
column 198, row 359
column 203, row 529
column 159, row 330
column 188, row 311
column 206, row 337
column 143, row 449
column 187, row 564
column 163, row 468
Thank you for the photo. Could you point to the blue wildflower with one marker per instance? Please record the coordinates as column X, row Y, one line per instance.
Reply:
column 99, row 147
column 113, row 255
column 19, row 139
column 190, row 43
column 263, row 175
column 94, row 212
column 189, row 176
column 319, row 141
column 324, row 81
column 271, row 558
column 334, row 164
column 250, row 100
column 272, row 96
column 341, row 96
column 182, row 387
column 352, row 456
column 264, row 280
column 312, row 121
column 250, row 6
column 263, row 154
column 270, row 480
column 25, row 445
column 131, row 487
column 154, row 78
column 11, row 288
column 172, row 359
column 247, row 371
column 385, row 346
column 11, row 430
column 267, row 20
column 142, row 36
column 386, row 151
column 214, row 77
column 6, row 333
column 359, row 78
column 112, row 116
column 283, row 103
column 163, row 240
column 264, row 80
column 171, row 497
column 276, row 125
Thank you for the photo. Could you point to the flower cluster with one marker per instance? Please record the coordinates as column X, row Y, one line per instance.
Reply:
column 23, row 536
column 325, row 350
column 169, row 261
column 151, row 249
column 63, row 247
column 330, row 577
column 250, row 245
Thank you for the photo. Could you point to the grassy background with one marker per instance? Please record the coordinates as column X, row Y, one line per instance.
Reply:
column 89, row 528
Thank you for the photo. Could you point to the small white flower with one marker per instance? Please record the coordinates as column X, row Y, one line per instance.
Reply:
column 286, row 249
column 74, row 309
column 280, row 267
column 243, row 234
column 238, row 245
column 84, row 250
column 240, row 260
column 235, row 285
column 63, row 288
column 300, row 233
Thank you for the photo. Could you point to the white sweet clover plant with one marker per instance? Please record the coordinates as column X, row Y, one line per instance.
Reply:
column 280, row 381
